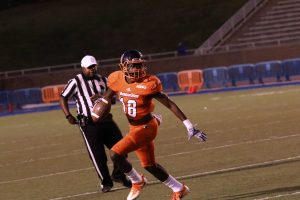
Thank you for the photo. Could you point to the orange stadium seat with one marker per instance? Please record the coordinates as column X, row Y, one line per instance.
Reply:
column 190, row 80
column 51, row 93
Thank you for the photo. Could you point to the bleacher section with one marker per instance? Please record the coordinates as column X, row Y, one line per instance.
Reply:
column 258, row 24
column 183, row 82
column 278, row 24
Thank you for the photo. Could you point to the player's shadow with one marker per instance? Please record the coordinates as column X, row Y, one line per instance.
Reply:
column 259, row 193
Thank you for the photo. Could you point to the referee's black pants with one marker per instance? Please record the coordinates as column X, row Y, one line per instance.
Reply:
column 107, row 134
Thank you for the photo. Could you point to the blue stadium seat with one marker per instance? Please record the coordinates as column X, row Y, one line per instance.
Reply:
column 242, row 73
column 291, row 67
column 169, row 81
column 6, row 101
column 215, row 77
column 268, row 69
column 27, row 96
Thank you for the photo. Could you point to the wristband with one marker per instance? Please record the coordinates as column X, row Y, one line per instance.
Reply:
column 188, row 124
column 67, row 116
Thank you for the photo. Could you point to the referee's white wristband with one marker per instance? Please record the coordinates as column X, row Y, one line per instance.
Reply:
column 188, row 124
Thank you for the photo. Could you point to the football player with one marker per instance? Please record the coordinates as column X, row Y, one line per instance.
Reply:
column 136, row 89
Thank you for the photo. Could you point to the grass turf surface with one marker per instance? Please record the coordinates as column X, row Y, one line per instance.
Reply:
column 252, row 151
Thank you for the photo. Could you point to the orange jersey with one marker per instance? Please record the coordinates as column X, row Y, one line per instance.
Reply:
column 134, row 96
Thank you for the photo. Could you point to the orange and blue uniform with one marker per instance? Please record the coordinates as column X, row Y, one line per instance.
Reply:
column 137, row 105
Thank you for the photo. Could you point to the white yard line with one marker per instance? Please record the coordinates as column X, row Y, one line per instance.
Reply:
column 46, row 175
column 78, row 195
column 279, row 196
column 163, row 156
column 225, row 170
column 82, row 151
column 31, row 148
column 280, row 92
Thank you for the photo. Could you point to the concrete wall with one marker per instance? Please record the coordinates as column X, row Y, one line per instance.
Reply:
column 171, row 65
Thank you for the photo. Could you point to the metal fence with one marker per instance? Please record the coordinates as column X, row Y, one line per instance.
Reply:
column 157, row 56
column 75, row 66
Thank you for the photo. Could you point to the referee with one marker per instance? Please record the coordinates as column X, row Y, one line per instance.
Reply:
column 86, row 87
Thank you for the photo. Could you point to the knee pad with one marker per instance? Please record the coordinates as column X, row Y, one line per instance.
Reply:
column 121, row 162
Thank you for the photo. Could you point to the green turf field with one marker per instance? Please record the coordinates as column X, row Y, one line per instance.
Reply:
column 253, row 151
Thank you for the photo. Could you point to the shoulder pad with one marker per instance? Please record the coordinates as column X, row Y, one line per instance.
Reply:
column 154, row 84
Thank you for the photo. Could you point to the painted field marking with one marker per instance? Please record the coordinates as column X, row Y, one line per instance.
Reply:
column 79, row 195
column 74, row 153
column 83, row 150
column 31, row 148
column 279, row 196
column 196, row 175
column 47, row 175
column 163, row 156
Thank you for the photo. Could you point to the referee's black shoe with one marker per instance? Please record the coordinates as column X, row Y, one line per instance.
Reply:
column 121, row 178
column 106, row 188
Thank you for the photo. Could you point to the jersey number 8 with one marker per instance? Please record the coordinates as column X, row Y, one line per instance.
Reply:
column 131, row 107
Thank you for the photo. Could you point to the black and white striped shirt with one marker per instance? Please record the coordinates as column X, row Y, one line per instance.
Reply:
column 82, row 88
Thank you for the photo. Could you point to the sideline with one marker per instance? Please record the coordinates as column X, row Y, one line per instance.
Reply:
column 55, row 106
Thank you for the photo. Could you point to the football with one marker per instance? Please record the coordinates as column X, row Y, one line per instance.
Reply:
column 100, row 110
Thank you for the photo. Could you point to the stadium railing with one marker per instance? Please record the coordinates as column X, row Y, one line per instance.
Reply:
column 76, row 66
column 151, row 57
column 231, row 25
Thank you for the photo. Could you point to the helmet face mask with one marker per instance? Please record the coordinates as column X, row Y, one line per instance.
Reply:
column 133, row 65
